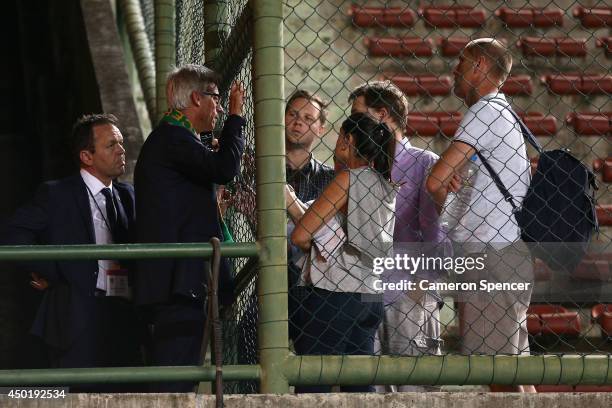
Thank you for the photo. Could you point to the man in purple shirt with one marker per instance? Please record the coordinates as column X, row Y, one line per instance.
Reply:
column 411, row 324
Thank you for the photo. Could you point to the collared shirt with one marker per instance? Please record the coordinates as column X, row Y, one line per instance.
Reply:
column 417, row 226
column 100, row 221
column 309, row 181
column 416, row 218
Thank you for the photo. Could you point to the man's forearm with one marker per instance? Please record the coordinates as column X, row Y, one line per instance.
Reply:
column 439, row 198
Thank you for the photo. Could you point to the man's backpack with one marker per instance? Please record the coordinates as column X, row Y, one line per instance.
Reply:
column 557, row 216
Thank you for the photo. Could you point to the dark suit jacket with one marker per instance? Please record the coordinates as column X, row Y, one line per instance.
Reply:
column 175, row 179
column 59, row 214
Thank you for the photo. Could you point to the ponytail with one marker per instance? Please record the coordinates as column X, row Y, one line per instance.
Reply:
column 374, row 141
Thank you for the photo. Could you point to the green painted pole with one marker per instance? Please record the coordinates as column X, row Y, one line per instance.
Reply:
column 124, row 251
column 449, row 370
column 216, row 29
column 63, row 376
column 141, row 49
column 271, row 213
column 165, row 50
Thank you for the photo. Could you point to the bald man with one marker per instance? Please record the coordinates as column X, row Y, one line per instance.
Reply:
column 493, row 322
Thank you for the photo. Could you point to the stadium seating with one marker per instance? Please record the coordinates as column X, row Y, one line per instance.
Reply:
column 399, row 46
column 602, row 314
column 552, row 319
column 591, row 123
column 568, row 84
column 605, row 43
column 427, row 85
column 604, row 214
column 518, row 85
column 540, row 124
column 553, row 46
column 382, row 16
column 604, row 166
column 530, row 17
column 452, row 46
column 433, row 123
column 452, row 16
column 594, row 17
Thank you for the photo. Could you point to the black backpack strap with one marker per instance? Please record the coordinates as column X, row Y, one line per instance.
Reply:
column 527, row 135
column 524, row 129
column 500, row 185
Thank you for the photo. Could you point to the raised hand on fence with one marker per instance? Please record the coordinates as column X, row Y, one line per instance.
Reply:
column 236, row 99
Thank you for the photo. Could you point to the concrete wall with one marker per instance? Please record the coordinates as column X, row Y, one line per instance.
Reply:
column 398, row 400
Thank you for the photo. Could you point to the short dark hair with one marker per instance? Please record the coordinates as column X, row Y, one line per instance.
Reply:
column 83, row 131
column 384, row 94
column 493, row 51
column 311, row 97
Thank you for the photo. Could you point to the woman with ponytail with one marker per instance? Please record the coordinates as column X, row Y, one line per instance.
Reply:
column 341, row 234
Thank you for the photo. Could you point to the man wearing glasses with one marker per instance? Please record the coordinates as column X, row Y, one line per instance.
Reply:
column 175, row 180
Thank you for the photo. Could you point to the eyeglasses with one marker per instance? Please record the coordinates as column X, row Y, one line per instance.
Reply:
column 213, row 94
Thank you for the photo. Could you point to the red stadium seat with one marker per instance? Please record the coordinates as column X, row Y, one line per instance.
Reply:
column 452, row 46
column 594, row 267
column 433, row 123
column 539, row 124
column 530, row 17
column 554, row 319
column 518, row 85
column 605, row 43
column 568, row 323
column 382, row 16
column 539, row 309
column 594, row 17
column 569, row 84
column 399, row 46
column 452, row 16
column 590, row 123
column 428, row 85
column 556, row 46
column 534, row 324
column 604, row 214
column 602, row 314
column 604, row 166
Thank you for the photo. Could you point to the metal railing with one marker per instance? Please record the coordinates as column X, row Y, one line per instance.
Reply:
column 278, row 367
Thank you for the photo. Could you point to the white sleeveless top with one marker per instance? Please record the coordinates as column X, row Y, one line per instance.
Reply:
column 342, row 255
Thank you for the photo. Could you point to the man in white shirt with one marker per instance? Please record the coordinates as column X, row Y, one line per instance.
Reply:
column 493, row 322
column 85, row 318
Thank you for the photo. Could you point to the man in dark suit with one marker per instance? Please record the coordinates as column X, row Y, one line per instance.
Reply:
column 85, row 317
column 175, row 180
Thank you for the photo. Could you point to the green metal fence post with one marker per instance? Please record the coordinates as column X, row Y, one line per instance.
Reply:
column 272, row 222
column 141, row 49
column 165, row 50
column 215, row 29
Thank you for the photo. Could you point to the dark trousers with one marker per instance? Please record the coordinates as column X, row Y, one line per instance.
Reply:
column 175, row 338
column 336, row 323
column 111, row 339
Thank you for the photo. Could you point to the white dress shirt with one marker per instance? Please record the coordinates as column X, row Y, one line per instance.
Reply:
column 100, row 222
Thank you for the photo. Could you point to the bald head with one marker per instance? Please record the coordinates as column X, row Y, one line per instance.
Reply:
column 494, row 52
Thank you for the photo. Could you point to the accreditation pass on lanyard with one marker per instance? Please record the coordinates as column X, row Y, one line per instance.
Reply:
column 117, row 281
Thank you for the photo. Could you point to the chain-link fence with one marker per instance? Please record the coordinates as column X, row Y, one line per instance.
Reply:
column 559, row 85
